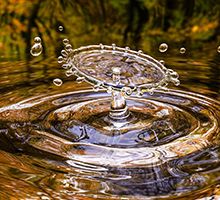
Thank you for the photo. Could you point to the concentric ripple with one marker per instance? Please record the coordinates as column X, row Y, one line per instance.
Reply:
column 170, row 146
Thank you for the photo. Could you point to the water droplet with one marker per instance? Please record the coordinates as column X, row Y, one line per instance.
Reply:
column 66, row 41
column 64, row 53
column 60, row 28
column 218, row 49
column 140, row 52
column 80, row 79
column 163, row 47
column 139, row 92
column 36, row 49
column 60, row 59
column 182, row 50
column 57, row 82
column 151, row 91
column 109, row 89
column 101, row 46
column 113, row 46
column 37, row 40
column 127, row 91
column 68, row 47
column 97, row 87
column 162, row 62
column 126, row 49
column 66, row 66
column 176, row 82
column 70, row 72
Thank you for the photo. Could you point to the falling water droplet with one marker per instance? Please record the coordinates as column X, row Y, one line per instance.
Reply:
column 163, row 47
column 182, row 50
column 66, row 41
column 176, row 82
column 139, row 92
column 36, row 49
column 218, row 49
column 80, row 79
column 37, row 40
column 60, row 59
column 151, row 91
column 60, row 28
column 57, row 82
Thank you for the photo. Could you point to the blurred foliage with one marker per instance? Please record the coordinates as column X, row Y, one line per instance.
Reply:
column 124, row 22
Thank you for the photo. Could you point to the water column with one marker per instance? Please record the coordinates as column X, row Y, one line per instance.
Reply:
column 119, row 109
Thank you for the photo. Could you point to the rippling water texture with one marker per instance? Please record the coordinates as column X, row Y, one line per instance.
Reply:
column 55, row 142
column 51, row 146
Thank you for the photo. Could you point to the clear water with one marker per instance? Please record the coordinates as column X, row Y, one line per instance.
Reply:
column 47, row 154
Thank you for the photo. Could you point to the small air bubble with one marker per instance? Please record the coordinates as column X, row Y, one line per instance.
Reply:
column 182, row 50
column 36, row 49
column 163, row 47
column 69, row 72
column 60, row 28
column 57, row 82
column 96, row 88
column 218, row 49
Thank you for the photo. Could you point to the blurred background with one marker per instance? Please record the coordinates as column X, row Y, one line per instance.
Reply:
column 139, row 24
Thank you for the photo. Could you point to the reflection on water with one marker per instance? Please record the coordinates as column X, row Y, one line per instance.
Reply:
column 45, row 153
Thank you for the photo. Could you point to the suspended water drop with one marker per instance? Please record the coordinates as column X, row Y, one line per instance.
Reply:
column 57, row 82
column 151, row 91
column 60, row 59
column 37, row 40
column 80, row 79
column 66, row 41
column 64, row 53
column 163, row 47
column 68, row 47
column 60, row 28
column 36, row 49
column 182, row 50
column 218, row 49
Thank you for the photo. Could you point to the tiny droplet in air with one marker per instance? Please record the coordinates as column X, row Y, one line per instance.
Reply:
column 36, row 49
column 182, row 50
column 60, row 28
column 218, row 49
column 57, row 82
column 163, row 47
